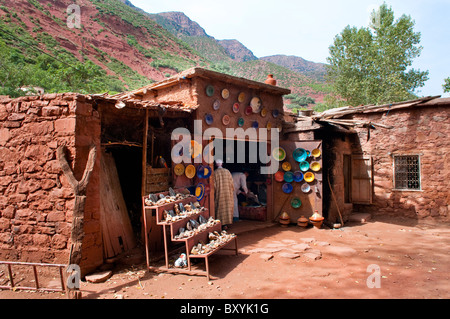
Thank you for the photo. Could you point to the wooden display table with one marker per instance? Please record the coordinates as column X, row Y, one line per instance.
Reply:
column 173, row 228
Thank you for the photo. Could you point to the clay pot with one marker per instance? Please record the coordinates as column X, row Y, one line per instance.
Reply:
column 285, row 220
column 316, row 220
column 302, row 222
column 270, row 80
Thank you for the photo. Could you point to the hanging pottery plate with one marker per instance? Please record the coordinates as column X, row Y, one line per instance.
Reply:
column 264, row 112
column 279, row 154
column 287, row 188
column 241, row 122
column 304, row 166
column 190, row 171
column 255, row 124
column 296, row 202
column 200, row 171
column 306, row 188
column 200, row 191
column 279, row 176
column 226, row 120
column 207, row 171
column 275, row 113
column 209, row 119
column 316, row 153
column 248, row 110
column 241, row 97
column 288, row 177
column 210, row 90
column 216, row 105
column 179, row 169
column 236, row 107
column 256, row 104
column 286, row 166
column 299, row 155
column 225, row 94
column 309, row 177
column 195, row 149
column 315, row 166
column 298, row 176
column 269, row 126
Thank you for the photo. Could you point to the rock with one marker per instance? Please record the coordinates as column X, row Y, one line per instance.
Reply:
column 266, row 257
column 99, row 277
column 340, row 251
column 307, row 240
column 313, row 254
column 289, row 255
column 300, row 247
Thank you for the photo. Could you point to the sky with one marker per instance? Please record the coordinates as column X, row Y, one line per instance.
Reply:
column 307, row 28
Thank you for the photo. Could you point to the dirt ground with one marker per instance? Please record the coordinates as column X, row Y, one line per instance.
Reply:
column 295, row 263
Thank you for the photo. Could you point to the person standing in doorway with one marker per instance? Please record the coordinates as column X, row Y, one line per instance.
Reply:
column 223, row 194
column 240, row 188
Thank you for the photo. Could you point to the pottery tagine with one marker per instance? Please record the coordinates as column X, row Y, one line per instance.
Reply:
column 285, row 220
column 302, row 222
column 317, row 220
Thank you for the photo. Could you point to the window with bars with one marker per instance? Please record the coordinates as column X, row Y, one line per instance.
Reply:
column 407, row 172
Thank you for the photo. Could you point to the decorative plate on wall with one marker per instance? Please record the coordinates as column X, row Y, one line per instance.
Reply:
column 256, row 104
column 236, row 107
column 216, row 105
column 226, row 120
column 241, row 97
column 209, row 119
column 210, row 90
column 225, row 94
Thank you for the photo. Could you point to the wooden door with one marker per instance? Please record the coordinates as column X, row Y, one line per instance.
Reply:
column 362, row 179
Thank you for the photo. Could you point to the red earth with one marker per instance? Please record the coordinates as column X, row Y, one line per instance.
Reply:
column 295, row 263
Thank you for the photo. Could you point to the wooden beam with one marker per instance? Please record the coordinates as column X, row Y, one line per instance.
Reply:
column 144, row 154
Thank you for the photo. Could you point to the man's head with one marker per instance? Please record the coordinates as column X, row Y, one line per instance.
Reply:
column 219, row 162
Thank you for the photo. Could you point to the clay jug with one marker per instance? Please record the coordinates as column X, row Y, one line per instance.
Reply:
column 270, row 80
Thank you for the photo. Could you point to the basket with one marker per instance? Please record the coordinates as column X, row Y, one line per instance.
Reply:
column 253, row 213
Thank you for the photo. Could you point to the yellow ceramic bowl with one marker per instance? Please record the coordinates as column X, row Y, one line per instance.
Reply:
column 309, row 177
column 287, row 166
column 315, row 166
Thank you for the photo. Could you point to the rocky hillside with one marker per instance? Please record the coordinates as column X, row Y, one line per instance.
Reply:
column 237, row 51
column 300, row 65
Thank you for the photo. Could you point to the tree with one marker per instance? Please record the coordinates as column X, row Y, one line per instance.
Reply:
column 446, row 85
column 371, row 65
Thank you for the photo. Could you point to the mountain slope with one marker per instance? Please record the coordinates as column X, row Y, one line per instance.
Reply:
column 123, row 42
column 298, row 64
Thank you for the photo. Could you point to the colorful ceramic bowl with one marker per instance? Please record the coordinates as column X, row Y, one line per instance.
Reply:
column 309, row 177
column 190, row 171
column 304, row 166
column 298, row 176
column 306, row 188
column 279, row 176
column 286, row 166
column 248, row 110
column 241, row 122
column 256, row 104
column 300, row 155
column 315, row 166
column 255, row 124
column 275, row 113
column 269, row 126
column 316, row 153
column 236, row 107
column 288, row 177
column 296, row 202
column 287, row 188
column 279, row 154
column 179, row 169
column 203, row 171
column 264, row 112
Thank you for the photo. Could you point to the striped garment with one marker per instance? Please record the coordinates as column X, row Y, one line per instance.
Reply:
column 223, row 195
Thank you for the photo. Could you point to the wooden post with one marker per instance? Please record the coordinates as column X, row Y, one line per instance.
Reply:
column 144, row 155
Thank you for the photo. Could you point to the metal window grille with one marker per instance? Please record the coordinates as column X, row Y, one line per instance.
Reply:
column 407, row 172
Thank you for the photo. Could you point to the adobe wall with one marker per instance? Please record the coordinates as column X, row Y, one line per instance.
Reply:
column 417, row 131
column 36, row 200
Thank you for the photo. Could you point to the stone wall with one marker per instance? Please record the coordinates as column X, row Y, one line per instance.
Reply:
column 36, row 200
column 417, row 131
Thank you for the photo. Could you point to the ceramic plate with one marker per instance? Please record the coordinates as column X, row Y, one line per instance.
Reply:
column 287, row 188
column 216, row 105
column 300, row 155
column 255, row 104
column 225, row 94
column 279, row 176
column 309, row 177
column 315, row 166
column 236, row 107
column 179, row 169
column 306, row 188
column 286, row 166
column 304, row 166
column 296, row 202
column 200, row 191
column 264, row 112
column 210, row 90
column 226, row 120
column 288, row 177
column 190, row 171
column 316, row 153
column 298, row 176
column 248, row 110
column 209, row 119
column 255, row 124
column 275, row 113
column 279, row 154
column 241, row 97
column 241, row 122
